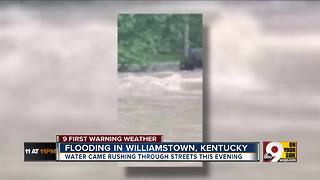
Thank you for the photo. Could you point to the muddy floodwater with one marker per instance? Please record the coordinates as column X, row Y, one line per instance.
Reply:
column 168, row 103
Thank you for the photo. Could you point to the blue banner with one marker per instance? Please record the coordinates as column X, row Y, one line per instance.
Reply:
column 194, row 147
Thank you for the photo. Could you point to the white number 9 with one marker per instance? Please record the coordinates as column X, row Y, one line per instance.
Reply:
column 275, row 149
column 64, row 138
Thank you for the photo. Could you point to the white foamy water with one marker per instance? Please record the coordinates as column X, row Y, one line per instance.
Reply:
column 160, row 83
column 152, row 102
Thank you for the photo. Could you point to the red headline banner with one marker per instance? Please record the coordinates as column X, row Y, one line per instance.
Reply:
column 109, row 138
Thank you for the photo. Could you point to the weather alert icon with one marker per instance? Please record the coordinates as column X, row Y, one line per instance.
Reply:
column 279, row 151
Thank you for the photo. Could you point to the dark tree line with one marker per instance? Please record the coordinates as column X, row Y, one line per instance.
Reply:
column 155, row 38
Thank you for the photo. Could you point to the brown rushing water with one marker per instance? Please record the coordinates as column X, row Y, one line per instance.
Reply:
column 168, row 103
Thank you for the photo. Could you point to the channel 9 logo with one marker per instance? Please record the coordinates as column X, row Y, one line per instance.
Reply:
column 282, row 151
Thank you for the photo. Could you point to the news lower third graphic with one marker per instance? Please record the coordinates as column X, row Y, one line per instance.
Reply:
column 151, row 148
column 109, row 138
column 226, row 151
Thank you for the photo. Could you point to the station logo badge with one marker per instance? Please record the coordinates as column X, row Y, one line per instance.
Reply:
column 279, row 151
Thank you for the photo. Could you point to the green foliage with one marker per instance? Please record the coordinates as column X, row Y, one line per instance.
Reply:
column 142, row 37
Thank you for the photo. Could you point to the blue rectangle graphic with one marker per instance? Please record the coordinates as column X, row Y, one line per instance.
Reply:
column 170, row 147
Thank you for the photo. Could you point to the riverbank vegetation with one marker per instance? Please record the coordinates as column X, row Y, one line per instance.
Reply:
column 145, row 39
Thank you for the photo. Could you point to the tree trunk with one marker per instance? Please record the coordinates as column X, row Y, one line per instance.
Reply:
column 186, row 37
